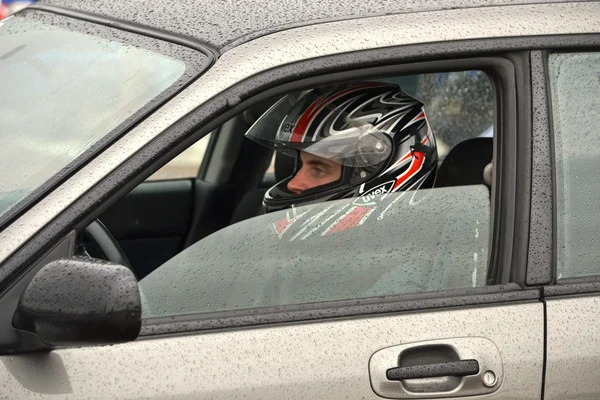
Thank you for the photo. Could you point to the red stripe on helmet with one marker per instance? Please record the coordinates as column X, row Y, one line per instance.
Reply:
column 298, row 132
column 317, row 106
column 415, row 166
column 407, row 155
column 418, row 118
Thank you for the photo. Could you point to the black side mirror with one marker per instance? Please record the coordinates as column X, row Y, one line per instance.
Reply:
column 76, row 301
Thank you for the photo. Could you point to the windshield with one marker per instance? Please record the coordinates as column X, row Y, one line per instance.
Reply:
column 61, row 92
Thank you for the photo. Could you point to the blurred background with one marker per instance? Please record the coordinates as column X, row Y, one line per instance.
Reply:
column 8, row 7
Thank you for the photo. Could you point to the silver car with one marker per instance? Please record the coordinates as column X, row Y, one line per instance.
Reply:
column 135, row 261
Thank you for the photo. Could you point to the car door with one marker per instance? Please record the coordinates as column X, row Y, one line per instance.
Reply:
column 573, row 303
column 255, row 326
column 469, row 329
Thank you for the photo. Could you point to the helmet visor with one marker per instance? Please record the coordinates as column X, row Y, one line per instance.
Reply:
column 304, row 121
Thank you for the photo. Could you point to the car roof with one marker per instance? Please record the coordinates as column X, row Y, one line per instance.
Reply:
column 224, row 24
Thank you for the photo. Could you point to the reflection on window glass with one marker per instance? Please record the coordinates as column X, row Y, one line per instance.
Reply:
column 406, row 242
column 575, row 88
column 61, row 91
column 185, row 165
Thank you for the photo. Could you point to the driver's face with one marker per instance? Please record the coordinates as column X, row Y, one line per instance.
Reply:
column 315, row 171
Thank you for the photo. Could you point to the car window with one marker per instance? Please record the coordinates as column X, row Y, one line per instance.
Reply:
column 408, row 242
column 460, row 105
column 61, row 92
column 575, row 91
column 384, row 243
column 185, row 165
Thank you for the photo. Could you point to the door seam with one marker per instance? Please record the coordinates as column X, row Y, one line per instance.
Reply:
column 545, row 345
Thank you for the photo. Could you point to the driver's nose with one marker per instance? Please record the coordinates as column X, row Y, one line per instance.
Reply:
column 299, row 182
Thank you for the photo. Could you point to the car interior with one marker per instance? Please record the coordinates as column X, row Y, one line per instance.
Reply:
column 161, row 217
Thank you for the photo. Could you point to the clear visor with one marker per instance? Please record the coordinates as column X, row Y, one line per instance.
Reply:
column 299, row 122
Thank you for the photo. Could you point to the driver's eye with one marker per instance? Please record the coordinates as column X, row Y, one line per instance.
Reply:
column 318, row 172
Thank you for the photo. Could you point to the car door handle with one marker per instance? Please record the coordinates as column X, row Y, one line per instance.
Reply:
column 452, row 368
column 437, row 369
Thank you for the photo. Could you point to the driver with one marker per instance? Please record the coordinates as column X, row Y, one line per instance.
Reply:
column 351, row 140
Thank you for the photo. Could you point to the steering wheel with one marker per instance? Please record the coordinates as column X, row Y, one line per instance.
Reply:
column 108, row 244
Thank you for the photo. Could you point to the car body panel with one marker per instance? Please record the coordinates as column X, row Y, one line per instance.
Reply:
column 572, row 351
column 314, row 41
column 226, row 24
column 328, row 360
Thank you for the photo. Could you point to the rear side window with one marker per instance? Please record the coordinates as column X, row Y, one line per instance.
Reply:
column 575, row 90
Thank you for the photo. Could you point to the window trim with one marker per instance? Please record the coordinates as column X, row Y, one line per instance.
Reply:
column 542, row 256
column 588, row 285
column 313, row 312
column 499, row 69
column 127, row 26
column 220, row 109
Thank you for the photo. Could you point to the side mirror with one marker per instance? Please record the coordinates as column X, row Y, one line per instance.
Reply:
column 77, row 301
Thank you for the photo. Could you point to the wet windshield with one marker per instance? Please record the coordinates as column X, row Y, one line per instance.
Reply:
column 61, row 92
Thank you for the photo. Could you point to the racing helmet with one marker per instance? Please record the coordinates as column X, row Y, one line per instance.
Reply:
column 377, row 133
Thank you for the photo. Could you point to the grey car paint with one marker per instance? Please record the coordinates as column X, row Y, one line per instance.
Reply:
column 328, row 360
column 331, row 356
column 572, row 348
column 226, row 24
column 309, row 42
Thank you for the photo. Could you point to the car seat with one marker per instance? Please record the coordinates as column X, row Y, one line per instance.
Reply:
column 467, row 163
column 251, row 203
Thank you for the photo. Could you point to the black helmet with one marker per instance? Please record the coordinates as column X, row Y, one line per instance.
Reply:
column 376, row 132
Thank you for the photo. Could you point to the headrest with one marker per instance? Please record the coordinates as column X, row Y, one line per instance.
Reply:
column 465, row 163
column 487, row 174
